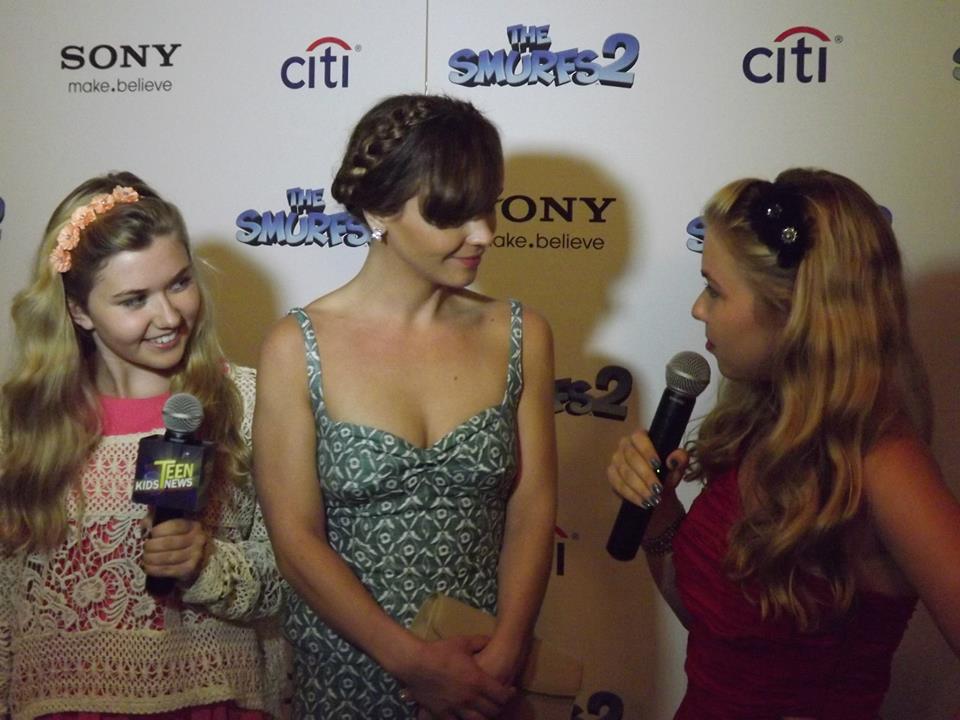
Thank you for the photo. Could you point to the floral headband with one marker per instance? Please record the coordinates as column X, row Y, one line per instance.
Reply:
column 69, row 236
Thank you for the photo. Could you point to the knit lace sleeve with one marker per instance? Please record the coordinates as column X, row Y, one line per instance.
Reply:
column 8, row 582
column 240, row 580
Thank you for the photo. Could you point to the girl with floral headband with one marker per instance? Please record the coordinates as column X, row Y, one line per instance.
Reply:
column 824, row 514
column 114, row 321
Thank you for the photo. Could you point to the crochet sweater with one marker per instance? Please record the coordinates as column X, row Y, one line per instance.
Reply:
column 78, row 632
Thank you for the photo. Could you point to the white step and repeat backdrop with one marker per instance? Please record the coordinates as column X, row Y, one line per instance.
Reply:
column 621, row 118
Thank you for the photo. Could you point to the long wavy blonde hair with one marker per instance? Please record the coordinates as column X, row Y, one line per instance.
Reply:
column 49, row 413
column 843, row 372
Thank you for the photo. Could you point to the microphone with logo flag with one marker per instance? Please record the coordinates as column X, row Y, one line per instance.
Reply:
column 688, row 374
column 170, row 469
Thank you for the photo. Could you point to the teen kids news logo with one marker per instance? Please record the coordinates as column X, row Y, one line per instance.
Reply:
column 799, row 53
column 531, row 61
column 325, row 64
column 119, row 59
column 305, row 222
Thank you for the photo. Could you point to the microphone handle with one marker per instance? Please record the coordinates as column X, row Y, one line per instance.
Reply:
column 162, row 586
column 666, row 431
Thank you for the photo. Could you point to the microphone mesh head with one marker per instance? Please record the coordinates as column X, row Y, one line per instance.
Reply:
column 182, row 413
column 688, row 373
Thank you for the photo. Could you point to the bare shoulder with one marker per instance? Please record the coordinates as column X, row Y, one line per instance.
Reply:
column 904, row 487
column 536, row 326
column 897, row 461
column 536, row 329
column 282, row 378
column 282, row 356
column 283, row 341
column 537, row 338
column 917, row 520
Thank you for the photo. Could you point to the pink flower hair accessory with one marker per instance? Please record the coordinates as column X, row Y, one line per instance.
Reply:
column 69, row 236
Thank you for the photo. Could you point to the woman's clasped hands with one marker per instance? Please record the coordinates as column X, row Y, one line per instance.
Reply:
column 453, row 678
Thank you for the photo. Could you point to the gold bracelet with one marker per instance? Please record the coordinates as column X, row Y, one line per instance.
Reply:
column 663, row 543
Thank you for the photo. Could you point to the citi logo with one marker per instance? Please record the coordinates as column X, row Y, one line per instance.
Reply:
column 104, row 57
column 329, row 67
column 761, row 65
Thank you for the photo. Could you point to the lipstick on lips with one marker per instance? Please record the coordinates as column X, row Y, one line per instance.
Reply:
column 470, row 262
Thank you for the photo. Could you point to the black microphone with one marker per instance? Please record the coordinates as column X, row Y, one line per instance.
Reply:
column 688, row 374
column 170, row 470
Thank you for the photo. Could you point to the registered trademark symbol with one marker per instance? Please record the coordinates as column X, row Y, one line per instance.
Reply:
column 838, row 39
column 574, row 535
column 358, row 48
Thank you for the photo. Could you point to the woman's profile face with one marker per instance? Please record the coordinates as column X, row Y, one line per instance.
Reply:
column 447, row 256
column 740, row 334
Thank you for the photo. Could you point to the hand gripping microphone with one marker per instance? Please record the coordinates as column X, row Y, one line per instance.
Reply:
column 688, row 374
column 170, row 469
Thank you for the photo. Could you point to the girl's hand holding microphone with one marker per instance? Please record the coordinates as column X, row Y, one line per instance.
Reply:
column 637, row 474
column 176, row 549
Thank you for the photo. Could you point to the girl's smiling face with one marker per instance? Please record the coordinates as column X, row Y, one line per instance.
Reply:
column 141, row 310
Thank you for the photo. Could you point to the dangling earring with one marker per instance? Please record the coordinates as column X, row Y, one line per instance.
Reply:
column 377, row 234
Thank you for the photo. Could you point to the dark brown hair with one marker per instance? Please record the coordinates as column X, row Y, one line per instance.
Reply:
column 439, row 148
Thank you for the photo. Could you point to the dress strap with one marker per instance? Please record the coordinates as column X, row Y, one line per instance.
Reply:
column 314, row 374
column 515, row 362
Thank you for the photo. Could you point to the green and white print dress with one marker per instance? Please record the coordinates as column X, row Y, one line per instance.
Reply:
column 410, row 522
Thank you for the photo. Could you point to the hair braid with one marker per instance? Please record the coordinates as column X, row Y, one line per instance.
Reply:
column 429, row 145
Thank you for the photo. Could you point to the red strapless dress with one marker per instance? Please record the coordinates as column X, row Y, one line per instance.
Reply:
column 741, row 667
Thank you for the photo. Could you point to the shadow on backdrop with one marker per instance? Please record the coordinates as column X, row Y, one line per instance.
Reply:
column 563, row 239
column 244, row 302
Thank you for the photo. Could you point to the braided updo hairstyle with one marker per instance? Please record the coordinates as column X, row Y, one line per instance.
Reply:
column 435, row 147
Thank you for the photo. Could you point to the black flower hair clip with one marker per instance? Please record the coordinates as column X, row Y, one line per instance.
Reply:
column 696, row 231
column 777, row 217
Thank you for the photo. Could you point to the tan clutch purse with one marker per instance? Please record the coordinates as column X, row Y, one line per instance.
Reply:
column 550, row 679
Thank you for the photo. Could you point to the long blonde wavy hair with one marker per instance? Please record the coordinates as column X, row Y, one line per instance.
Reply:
column 843, row 371
column 49, row 413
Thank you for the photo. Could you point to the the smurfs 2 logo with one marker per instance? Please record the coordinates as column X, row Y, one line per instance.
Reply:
column 530, row 61
column 305, row 223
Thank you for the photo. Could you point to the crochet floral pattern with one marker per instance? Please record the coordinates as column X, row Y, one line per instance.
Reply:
column 79, row 633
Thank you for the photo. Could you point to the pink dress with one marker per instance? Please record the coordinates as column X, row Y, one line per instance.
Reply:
column 742, row 667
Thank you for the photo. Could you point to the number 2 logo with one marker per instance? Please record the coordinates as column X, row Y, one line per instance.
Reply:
column 573, row 396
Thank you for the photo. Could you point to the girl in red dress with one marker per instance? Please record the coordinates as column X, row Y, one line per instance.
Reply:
column 824, row 514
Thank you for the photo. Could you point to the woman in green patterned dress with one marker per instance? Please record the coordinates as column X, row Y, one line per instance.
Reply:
column 377, row 492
